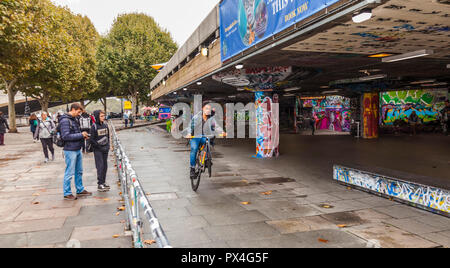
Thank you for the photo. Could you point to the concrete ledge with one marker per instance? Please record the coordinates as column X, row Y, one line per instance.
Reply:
column 429, row 198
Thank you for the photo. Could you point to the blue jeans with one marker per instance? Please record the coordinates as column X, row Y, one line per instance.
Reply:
column 195, row 145
column 74, row 167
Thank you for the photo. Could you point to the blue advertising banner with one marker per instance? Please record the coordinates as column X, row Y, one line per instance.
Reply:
column 244, row 23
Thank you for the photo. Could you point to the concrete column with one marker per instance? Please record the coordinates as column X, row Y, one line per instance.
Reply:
column 370, row 108
column 267, row 125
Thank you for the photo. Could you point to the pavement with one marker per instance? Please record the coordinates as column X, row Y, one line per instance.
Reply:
column 290, row 201
column 33, row 212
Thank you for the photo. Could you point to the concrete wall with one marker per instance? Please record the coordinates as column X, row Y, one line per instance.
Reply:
column 192, row 71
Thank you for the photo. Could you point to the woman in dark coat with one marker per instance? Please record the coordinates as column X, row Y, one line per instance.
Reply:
column 33, row 125
column 3, row 127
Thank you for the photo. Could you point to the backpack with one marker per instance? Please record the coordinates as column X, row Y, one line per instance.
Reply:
column 85, row 123
column 57, row 139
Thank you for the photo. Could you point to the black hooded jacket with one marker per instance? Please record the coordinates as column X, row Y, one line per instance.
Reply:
column 99, row 134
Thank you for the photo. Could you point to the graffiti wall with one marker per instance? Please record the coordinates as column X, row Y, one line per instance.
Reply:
column 267, row 125
column 370, row 104
column 331, row 112
column 398, row 105
column 430, row 198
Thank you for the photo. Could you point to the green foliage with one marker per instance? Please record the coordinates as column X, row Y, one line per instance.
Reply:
column 125, row 55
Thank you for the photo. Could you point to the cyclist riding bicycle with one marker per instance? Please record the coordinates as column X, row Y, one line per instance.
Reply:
column 209, row 128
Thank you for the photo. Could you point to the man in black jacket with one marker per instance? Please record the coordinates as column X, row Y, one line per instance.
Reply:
column 100, row 143
column 3, row 127
column 73, row 137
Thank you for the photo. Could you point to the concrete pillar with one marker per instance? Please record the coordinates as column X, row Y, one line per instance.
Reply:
column 267, row 125
column 370, row 106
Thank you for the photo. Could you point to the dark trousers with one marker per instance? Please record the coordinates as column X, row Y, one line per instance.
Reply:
column 2, row 138
column 101, row 163
column 47, row 144
column 126, row 122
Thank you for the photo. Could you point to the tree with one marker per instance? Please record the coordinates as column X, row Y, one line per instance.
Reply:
column 134, row 43
column 21, row 42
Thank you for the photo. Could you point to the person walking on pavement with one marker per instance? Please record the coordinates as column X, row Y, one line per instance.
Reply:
column 100, row 144
column 413, row 121
column 125, row 118
column 446, row 117
column 73, row 137
column 33, row 125
column 85, row 125
column 45, row 131
column 3, row 127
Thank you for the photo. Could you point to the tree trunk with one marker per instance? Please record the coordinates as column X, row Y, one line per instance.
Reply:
column 44, row 101
column 134, row 104
column 11, row 106
column 105, row 106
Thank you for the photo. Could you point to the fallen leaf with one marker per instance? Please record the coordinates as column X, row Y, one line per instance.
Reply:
column 267, row 193
column 342, row 225
column 349, row 188
column 245, row 203
column 106, row 199
column 118, row 213
column 149, row 242
column 322, row 240
column 121, row 208
column 36, row 194
column 115, row 236
column 36, row 203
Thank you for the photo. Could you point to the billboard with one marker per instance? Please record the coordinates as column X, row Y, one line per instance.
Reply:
column 244, row 23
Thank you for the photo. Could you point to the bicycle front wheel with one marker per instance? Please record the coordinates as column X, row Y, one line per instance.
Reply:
column 195, row 182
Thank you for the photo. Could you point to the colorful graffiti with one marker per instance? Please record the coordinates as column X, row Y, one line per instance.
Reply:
column 370, row 103
column 398, row 105
column 431, row 198
column 331, row 112
column 267, row 125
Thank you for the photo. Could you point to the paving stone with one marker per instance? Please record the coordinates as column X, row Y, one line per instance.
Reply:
column 95, row 215
column 388, row 236
column 344, row 218
column 183, row 223
column 291, row 211
column 401, row 211
column 31, row 225
column 120, row 242
column 182, row 238
column 240, row 217
column 47, row 213
column 330, row 239
column 241, row 231
column 98, row 232
column 219, row 208
column 305, row 224
column 413, row 226
column 13, row 240
column 437, row 238
column 49, row 237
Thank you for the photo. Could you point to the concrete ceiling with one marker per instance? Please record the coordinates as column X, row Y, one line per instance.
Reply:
column 340, row 50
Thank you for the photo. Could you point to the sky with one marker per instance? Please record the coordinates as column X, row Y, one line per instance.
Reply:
column 179, row 17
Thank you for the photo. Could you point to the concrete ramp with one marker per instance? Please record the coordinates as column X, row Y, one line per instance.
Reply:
column 399, row 186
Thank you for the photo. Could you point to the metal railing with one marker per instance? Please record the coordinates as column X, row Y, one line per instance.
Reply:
column 135, row 198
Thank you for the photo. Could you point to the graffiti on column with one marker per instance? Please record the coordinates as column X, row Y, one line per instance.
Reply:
column 370, row 117
column 423, row 196
column 267, row 126
column 398, row 105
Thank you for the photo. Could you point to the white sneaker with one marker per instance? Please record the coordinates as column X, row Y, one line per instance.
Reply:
column 46, row 160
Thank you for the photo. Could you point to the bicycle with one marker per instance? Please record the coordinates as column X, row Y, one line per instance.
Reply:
column 203, row 160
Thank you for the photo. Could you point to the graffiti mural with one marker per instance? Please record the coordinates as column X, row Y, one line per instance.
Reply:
column 267, row 125
column 370, row 103
column 430, row 198
column 398, row 105
column 331, row 112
